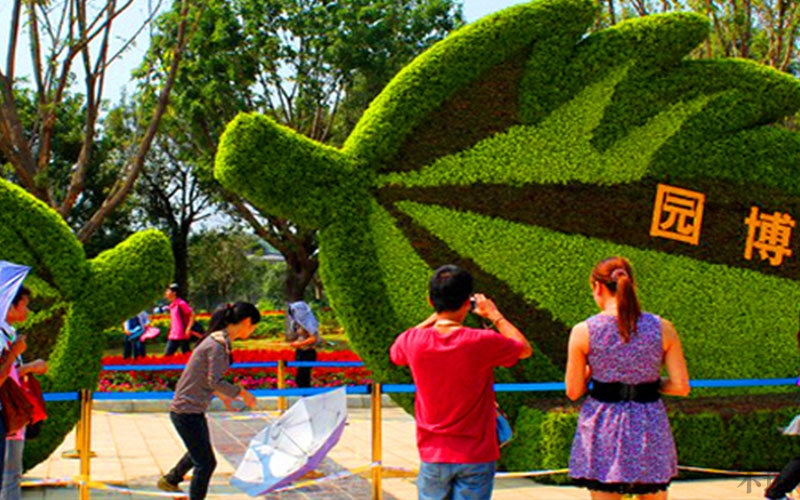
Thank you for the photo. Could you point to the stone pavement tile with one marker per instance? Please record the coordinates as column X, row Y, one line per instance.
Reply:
column 719, row 489
column 135, row 449
column 401, row 488
column 524, row 489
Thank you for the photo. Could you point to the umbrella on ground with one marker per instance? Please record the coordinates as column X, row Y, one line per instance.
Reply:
column 11, row 277
column 793, row 429
column 292, row 445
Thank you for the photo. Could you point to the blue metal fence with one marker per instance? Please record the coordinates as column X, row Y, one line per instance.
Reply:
column 366, row 389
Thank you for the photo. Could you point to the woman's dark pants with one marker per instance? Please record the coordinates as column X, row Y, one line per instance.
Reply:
column 193, row 430
column 786, row 481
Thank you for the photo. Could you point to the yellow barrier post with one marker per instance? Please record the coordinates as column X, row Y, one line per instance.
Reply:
column 86, row 443
column 377, row 452
column 76, row 452
column 281, row 385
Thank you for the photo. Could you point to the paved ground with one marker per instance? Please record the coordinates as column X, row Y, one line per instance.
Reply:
column 134, row 449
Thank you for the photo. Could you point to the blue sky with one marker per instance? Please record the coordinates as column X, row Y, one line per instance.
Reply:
column 120, row 76
column 476, row 9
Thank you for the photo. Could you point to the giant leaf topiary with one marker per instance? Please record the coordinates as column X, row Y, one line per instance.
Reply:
column 75, row 299
column 526, row 151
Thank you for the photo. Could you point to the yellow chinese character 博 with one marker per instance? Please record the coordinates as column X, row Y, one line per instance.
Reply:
column 769, row 234
column 678, row 214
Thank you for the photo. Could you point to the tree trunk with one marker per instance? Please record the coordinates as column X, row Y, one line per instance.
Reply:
column 180, row 251
column 297, row 247
column 299, row 273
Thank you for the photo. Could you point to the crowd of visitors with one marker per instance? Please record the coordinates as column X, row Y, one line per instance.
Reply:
column 623, row 444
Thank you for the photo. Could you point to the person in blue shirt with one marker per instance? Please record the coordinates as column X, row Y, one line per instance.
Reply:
column 133, row 347
column 303, row 335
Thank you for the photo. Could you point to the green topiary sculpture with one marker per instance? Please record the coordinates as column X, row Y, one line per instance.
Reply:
column 74, row 299
column 526, row 151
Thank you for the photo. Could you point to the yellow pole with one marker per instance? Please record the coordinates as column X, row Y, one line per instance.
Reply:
column 86, row 443
column 377, row 452
column 281, row 385
column 76, row 453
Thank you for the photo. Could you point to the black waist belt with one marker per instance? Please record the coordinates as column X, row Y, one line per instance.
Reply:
column 614, row 392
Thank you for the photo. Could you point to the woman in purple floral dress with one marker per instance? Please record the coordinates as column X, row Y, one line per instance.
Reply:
column 623, row 443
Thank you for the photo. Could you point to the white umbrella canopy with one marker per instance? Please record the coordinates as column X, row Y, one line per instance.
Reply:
column 292, row 445
column 11, row 278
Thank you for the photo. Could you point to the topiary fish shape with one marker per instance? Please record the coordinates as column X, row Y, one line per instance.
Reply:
column 526, row 151
column 75, row 299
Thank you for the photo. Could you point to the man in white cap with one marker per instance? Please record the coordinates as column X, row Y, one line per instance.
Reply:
column 303, row 336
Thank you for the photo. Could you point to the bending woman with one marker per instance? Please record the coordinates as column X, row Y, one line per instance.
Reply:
column 623, row 443
column 200, row 380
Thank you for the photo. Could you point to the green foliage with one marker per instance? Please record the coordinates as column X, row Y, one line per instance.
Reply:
column 270, row 327
column 697, row 437
column 450, row 65
column 248, row 54
column 74, row 298
column 273, row 291
column 361, row 305
column 138, row 267
column 522, row 451
column 747, row 439
column 224, row 266
column 55, row 250
column 654, row 43
column 667, row 284
column 311, row 66
column 554, row 151
column 567, row 138
column 65, row 150
column 320, row 171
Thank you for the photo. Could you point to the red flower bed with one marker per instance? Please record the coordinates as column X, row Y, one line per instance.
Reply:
column 250, row 378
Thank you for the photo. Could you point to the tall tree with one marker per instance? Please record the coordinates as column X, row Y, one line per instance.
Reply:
column 767, row 31
column 313, row 65
column 225, row 267
column 101, row 172
column 172, row 199
column 66, row 38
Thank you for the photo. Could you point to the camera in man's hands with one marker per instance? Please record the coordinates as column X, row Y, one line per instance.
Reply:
column 473, row 303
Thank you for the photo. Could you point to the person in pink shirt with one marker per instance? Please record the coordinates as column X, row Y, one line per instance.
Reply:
column 181, row 319
column 15, row 442
column 452, row 366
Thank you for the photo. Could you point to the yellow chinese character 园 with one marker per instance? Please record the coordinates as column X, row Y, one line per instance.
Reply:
column 678, row 214
column 769, row 234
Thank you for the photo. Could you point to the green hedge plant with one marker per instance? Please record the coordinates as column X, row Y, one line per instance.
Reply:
column 74, row 299
column 526, row 150
column 747, row 439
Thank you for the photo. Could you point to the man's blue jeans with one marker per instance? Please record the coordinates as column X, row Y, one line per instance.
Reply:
column 440, row 481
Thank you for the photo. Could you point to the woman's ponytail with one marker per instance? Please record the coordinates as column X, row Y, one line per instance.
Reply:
column 628, row 309
column 616, row 273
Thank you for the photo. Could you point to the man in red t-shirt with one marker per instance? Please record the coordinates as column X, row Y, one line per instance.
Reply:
column 452, row 366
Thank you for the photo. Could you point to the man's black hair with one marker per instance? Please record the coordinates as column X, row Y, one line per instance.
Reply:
column 449, row 288
column 22, row 292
